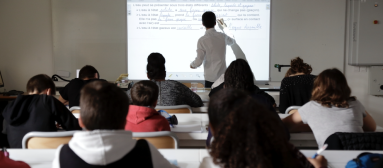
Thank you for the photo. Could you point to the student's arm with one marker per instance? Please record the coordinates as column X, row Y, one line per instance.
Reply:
column 295, row 124
column 63, row 101
column 190, row 98
column 158, row 160
column 63, row 116
column 200, row 56
column 369, row 123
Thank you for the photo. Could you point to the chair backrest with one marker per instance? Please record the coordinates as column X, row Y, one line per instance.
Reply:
column 355, row 141
column 176, row 109
column 46, row 140
column 199, row 85
column 160, row 139
column 292, row 109
column 75, row 109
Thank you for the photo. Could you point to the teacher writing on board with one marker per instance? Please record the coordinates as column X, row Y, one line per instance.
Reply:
column 211, row 48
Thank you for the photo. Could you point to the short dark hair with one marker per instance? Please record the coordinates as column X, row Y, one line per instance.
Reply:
column 208, row 19
column 156, row 66
column 144, row 93
column 41, row 82
column 88, row 71
column 331, row 89
column 239, row 76
column 246, row 134
column 103, row 106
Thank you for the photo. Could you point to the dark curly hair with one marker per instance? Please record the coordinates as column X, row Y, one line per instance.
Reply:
column 246, row 134
column 298, row 66
column 331, row 89
column 156, row 66
column 239, row 76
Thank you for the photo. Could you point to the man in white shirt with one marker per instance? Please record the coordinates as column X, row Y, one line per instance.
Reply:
column 211, row 49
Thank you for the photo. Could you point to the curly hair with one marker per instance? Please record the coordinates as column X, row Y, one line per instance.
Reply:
column 331, row 89
column 245, row 133
column 298, row 66
column 156, row 66
column 239, row 76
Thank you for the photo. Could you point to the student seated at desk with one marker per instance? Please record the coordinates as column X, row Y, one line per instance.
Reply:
column 37, row 111
column 246, row 135
column 297, row 85
column 239, row 76
column 70, row 94
column 170, row 92
column 331, row 109
column 105, row 143
column 142, row 116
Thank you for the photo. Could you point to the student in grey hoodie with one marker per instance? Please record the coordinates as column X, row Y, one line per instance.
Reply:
column 105, row 143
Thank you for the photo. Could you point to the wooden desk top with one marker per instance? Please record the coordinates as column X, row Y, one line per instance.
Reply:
column 7, row 98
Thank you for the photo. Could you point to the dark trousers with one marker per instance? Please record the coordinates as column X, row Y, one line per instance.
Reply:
column 208, row 84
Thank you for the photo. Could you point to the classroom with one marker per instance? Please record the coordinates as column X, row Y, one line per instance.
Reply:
column 63, row 37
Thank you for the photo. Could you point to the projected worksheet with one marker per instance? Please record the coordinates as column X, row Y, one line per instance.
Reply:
column 173, row 27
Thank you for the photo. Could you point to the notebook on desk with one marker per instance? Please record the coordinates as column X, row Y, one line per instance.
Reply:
column 187, row 128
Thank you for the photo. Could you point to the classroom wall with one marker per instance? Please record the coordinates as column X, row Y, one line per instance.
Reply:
column 26, row 45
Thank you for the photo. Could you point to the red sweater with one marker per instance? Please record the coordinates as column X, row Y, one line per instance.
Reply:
column 145, row 119
column 9, row 163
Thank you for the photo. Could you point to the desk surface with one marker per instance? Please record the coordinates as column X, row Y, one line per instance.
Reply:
column 7, row 98
column 186, row 158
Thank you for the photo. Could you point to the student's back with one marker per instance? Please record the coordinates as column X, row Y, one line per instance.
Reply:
column 246, row 135
column 36, row 112
column 297, row 85
column 142, row 116
column 71, row 92
column 171, row 92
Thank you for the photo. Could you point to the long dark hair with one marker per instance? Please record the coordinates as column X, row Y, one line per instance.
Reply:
column 246, row 134
column 298, row 66
column 239, row 76
column 156, row 66
column 331, row 89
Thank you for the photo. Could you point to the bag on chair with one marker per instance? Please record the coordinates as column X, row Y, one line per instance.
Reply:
column 365, row 160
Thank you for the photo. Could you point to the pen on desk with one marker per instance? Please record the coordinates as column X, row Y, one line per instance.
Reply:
column 320, row 151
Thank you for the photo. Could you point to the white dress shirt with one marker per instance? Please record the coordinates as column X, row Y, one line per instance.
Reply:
column 211, row 51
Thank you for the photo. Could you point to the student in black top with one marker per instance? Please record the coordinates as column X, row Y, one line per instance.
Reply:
column 71, row 92
column 297, row 85
column 37, row 111
column 239, row 75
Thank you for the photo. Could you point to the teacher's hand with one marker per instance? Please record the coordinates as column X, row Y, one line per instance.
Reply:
column 192, row 67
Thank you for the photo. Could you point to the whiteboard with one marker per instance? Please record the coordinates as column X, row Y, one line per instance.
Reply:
column 94, row 32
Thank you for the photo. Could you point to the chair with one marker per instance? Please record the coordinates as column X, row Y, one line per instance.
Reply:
column 176, row 109
column 199, row 85
column 355, row 141
column 75, row 109
column 46, row 140
column 160, row 139
column 292, row 109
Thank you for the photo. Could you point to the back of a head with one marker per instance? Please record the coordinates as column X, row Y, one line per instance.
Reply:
column 103, row 106
column 331, row 89
column 208, row 19
column 39, row 83
column 144, row 93
column 239, row 76
column 245, row 133
column 156, row 66
column 88, row 71
column 298, row 66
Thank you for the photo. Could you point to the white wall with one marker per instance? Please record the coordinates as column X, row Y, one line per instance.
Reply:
column 25, row 41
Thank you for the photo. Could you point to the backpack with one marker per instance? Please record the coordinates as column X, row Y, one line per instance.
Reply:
column 365, row 160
